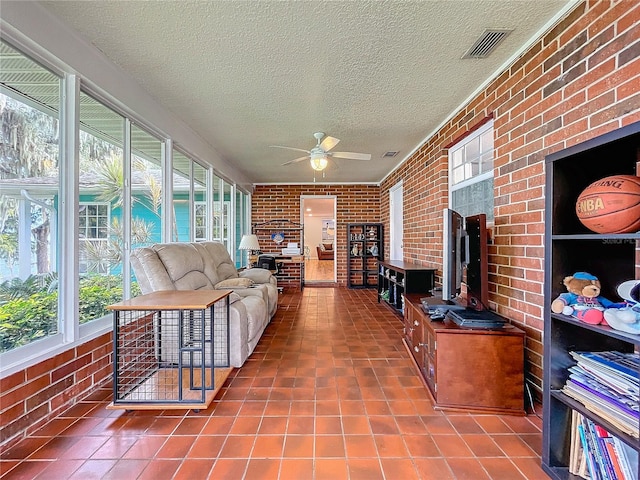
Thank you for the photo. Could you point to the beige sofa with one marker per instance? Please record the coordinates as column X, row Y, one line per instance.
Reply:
column 207, row 265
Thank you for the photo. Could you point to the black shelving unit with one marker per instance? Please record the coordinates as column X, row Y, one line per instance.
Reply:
column 365, row 246
column 570, row 247
column 395, row 278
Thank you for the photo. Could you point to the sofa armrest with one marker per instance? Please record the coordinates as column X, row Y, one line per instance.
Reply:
column 258, row 275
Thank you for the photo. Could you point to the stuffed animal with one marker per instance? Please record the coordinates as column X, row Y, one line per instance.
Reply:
column 582, row 299
column 626, row 319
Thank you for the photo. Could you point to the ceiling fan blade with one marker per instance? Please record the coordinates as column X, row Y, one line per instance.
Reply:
column 296, row 160
column 351, row 155
column 328, row 143
column 290, row 148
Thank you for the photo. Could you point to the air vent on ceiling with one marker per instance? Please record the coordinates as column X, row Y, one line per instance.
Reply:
column 389, row 154
column 487, row 43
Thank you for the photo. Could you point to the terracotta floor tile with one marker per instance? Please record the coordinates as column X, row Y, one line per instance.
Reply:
column 176, row 447
column 296, row 469
column 268, row 446
column 331, row 469
column 58, row 469
column 273, row 426
column 328, row 425
column 390, row 446
column 438, row 425
column 465, row 424
column 383, row 425
column 245, row 426
column 399, row 468
column 492, row 424
column 262, row 469
column 299, row 446
column 529, row 467
column 513, row 446
column 190, row 426
column 231, row 468
column 433, row 469
column 114, row 447
column 93, row 470
column 355, row 425
column 28, row 469
column 482, row 445
column 237, row 447
column 145, row 447
column 411, row 424
column 365, row 469
column 206, row 446
column 126, row 469
column 218, row 426
column 329, row 446
column 55, row 448
column 421, row 446
column 452, row 446
column 301, row 426
column 190, row 469
column 501, row 469
column 358, row 446
column 84, row 448
column 467, row 468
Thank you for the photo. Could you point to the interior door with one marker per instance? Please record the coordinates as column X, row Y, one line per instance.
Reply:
column 396, row 223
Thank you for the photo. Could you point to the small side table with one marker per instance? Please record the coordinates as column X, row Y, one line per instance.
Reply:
column 170, row 349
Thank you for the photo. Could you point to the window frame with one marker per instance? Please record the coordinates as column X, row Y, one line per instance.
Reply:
column 477, row 178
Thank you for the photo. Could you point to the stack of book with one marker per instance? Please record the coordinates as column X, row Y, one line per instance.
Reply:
column 596, row 455
column 607, row 384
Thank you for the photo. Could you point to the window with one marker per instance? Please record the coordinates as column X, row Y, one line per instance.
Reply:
column 471, row 173
column 94, row 221
column 200, row 217
column 102, row 179
column 106, row 203
column 29, row 192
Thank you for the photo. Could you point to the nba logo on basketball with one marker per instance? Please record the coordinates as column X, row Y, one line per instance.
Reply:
column 611, row 205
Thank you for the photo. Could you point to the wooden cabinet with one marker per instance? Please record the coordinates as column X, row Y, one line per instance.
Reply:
column 570, row 247
column 365, row 246
column 395, row 278
column 466, row 369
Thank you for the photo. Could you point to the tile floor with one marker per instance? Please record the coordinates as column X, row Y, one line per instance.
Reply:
column 329, row 393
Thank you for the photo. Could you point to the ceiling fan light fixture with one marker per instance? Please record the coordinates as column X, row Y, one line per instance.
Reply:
column 319, row 162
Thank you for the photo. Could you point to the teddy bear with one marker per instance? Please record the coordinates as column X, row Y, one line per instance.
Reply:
column 583, row 300
column 626, row 319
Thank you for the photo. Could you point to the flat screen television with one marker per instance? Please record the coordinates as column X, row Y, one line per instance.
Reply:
column 465, row 273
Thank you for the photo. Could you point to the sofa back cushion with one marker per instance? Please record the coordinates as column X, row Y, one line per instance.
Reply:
column 185, row 265
column 218, row 263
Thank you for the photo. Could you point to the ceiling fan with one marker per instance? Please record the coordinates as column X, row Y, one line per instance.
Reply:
column 320, row 154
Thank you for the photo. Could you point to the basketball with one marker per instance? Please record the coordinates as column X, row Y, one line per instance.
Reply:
column 611, row 205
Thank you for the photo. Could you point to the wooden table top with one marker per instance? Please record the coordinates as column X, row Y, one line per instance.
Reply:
column 172, row 300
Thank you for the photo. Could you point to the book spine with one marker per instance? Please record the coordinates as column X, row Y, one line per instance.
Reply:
column 588, row 451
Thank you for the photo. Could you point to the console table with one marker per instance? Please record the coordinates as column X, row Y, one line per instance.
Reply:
column 466, row 369
column 171, row 349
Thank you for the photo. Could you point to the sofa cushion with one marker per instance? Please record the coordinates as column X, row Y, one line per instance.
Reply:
column 327, row 246
column 256, row 316
column 234, row 282
column 258, row 275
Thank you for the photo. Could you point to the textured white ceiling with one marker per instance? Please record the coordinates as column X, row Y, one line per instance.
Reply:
column 379, row 75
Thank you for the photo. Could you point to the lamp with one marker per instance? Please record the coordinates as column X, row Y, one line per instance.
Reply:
column 250, row 243
column 319, row 161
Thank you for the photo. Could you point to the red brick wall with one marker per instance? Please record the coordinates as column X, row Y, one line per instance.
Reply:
column 354, row 203
column 31, row 397
column 577, row 82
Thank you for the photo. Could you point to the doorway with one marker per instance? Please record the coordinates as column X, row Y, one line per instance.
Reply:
column 318, row 217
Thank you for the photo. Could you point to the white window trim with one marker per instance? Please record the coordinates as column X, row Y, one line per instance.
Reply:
column 460, row 144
